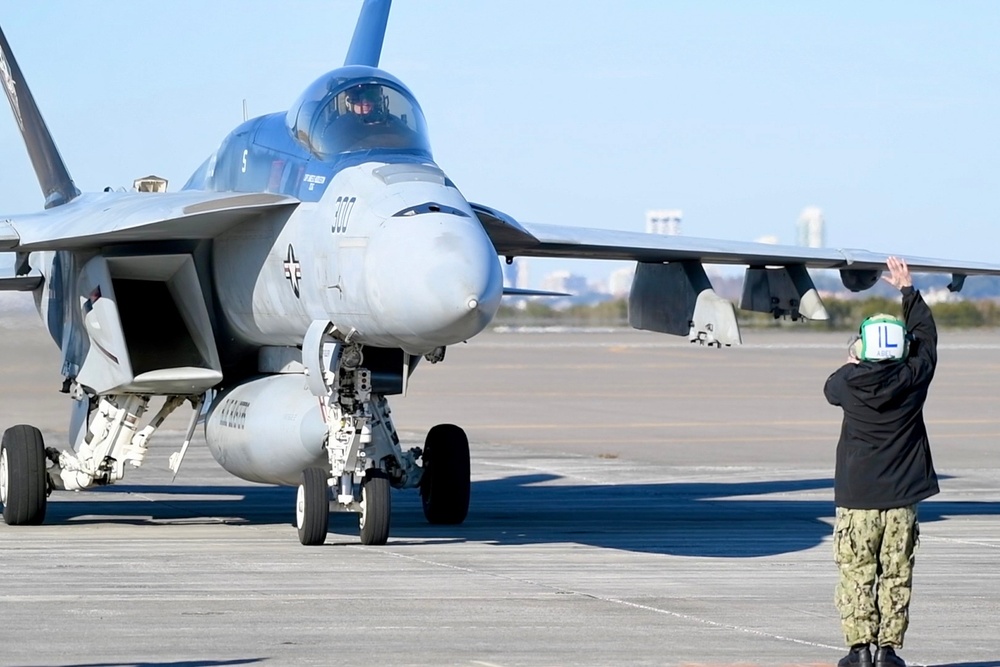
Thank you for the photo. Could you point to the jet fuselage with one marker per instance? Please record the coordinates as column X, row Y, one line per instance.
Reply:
column 383, row 244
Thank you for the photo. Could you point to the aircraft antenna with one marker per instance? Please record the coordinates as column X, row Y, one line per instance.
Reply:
column 244, row 109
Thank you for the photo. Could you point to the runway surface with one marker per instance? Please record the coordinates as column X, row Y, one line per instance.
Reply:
column 636, row 500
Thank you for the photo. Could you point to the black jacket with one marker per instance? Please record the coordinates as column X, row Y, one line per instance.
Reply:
column 883, row 457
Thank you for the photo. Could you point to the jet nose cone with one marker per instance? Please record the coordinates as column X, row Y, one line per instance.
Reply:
column 436, row 280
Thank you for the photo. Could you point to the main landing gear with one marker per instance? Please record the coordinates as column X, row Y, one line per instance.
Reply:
column 366, row 461
column 29, row 471
column 24, row 487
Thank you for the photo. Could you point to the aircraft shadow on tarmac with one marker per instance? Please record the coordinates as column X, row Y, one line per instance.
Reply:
column 707, row 519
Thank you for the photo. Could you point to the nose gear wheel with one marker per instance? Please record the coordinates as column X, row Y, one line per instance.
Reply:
column 312, row 507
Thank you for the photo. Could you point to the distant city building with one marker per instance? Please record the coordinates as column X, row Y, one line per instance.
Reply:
column 597, row 287
column 941, row 295
column 810, row 228
column 620, row 282
column 564, row 281
column 509, row 272
column 665, row 221
column 769, row 239
column 516, row 273
column 522, row 273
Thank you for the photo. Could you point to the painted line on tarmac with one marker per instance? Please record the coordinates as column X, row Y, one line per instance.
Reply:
column 734, row 440
column 610, row 600
column 952, row 540
column 705, row 424
column 548, row 470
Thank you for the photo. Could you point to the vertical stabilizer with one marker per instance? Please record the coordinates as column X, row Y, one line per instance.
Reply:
column 366, row 45
column 57, row 186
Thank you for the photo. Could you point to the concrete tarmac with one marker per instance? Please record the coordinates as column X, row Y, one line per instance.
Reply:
column 636, row 500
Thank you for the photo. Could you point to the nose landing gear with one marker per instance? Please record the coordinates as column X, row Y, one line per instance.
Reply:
column 445, row 490
column 312, row 507
column 376, row 503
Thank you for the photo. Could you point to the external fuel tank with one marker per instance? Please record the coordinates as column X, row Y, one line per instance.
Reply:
column 268, row 429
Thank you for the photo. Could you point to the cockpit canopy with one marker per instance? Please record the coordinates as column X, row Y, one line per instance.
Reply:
column 358, row 109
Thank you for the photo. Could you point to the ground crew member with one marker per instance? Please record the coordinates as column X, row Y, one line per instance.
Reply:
column 884, row 469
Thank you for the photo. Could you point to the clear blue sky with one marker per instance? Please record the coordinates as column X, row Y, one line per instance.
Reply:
column 570, row 112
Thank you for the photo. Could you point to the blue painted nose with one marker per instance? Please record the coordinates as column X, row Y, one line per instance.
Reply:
column 434, row 279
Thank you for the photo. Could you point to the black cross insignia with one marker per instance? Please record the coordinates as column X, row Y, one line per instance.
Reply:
column 293, row 270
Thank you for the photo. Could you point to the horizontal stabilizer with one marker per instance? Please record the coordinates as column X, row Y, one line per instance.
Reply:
column 57, row 186
column 517, row 291
column 19, row 283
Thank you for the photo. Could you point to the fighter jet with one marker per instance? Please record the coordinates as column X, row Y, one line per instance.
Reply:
column 293, row 284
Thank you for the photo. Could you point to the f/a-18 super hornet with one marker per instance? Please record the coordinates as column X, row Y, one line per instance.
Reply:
column 294, row 283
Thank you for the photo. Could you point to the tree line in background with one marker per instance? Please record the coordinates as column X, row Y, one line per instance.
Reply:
column 845, row 314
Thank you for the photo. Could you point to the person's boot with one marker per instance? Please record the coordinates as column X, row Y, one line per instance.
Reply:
column 859, row 656
column 886, row 656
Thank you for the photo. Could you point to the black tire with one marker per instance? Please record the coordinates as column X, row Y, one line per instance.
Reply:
column 447, row 482
column 23, row 479
column 376, row 506
column 312, row 507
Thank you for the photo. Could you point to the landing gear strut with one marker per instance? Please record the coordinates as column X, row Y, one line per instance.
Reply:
column 366, row 460
column 112, row 440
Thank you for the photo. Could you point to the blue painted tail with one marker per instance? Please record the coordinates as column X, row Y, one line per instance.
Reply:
column 366, row 45
column 57, row 186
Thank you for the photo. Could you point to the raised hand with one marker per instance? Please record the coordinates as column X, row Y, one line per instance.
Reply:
column 899, row 273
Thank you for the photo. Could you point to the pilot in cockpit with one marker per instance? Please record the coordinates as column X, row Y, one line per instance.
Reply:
column 364, row 116
column 366, row 102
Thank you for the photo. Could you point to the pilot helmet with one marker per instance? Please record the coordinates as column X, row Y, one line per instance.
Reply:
column 368, row 95
column 882, row 337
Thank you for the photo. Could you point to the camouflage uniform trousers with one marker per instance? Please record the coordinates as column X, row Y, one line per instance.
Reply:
column 875, row 552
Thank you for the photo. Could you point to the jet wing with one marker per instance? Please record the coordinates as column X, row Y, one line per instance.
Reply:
column 671, row 292
column 521, row 239
column 96, row 220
